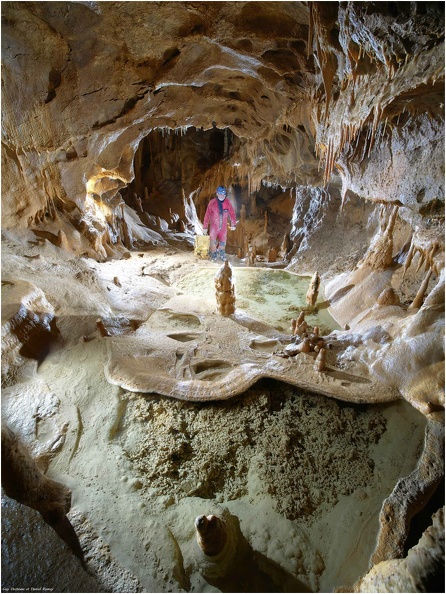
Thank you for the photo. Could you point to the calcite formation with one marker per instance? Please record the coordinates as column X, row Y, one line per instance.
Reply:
column 23, row 481
column 324, row 120
column 225, row 290
column 313, row 290
column 217, row 539
column 320, row 364
column 417, row 572
column 211, row 534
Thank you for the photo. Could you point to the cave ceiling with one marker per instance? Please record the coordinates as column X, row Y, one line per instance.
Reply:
column 308, row 89
column 335, row 108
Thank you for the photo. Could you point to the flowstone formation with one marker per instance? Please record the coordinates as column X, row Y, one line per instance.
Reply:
column 325, row 121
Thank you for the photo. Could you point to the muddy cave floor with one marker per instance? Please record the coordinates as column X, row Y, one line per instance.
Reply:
column 302, row 476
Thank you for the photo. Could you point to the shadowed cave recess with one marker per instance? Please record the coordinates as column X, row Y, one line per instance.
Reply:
column 158, row 436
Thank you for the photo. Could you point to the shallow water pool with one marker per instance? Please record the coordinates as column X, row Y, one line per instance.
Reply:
column 274, row 297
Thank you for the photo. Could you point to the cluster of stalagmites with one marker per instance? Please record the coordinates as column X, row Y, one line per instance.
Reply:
column 225, row 291
column 303, row 340
column 249, row 251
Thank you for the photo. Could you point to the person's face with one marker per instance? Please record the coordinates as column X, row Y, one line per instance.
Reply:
column 221, row 196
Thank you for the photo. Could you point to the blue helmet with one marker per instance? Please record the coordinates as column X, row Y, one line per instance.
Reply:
column 221, row 190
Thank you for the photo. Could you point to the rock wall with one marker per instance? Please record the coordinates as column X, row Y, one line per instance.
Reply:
column 357, row 90
column 121, row 118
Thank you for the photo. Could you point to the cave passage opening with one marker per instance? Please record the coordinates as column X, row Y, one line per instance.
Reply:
column 176, row 173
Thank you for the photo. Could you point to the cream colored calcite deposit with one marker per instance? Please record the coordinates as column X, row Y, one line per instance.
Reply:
column 418, row 572
column 325, row 121
column 224, row 290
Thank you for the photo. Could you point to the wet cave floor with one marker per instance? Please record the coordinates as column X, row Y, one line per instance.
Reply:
column 302, row 473
column 271, row 296
column 302, row 476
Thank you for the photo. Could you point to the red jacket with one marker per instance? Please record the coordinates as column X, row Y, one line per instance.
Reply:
column 212, row 215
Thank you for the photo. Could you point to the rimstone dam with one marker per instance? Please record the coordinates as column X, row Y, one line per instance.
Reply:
column 222, row 296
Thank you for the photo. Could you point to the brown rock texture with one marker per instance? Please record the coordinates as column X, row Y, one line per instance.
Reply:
column 418, row 572
column 410, row 494
column 325, row 121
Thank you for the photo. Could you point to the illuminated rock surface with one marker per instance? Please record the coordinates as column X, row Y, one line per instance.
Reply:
column 325, row 121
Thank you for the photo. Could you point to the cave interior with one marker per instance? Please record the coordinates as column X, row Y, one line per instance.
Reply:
column 272, row 421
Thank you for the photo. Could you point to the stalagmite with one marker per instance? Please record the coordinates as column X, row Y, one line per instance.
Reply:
column 246, row 246
column 313, row 290
column 62, row 241
column 210, row 534
column 285, row 247
column 243, row 214
column 419, row 297
column 225, row 292
column 251, row 257
column 319, row 364
column 138, row 202
column 379, row 255
column 304, row 346
column 272, row 254
column 125, row 231
column 388, row 297
column 217, row 537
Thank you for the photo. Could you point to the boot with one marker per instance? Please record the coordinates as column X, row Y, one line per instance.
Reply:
column 222, row 255
column 213, row 256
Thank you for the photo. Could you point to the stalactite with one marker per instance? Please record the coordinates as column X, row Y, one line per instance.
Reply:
column 343, row 194
column 409, row 257
column 310, row 30
column 420, row 261
column 419, row 297
column 374, row 126
column 430, row 256
column 226, row 145
column 329, row 160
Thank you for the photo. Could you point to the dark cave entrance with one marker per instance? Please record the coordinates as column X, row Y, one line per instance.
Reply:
column 169, row 164
column 178, row 170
